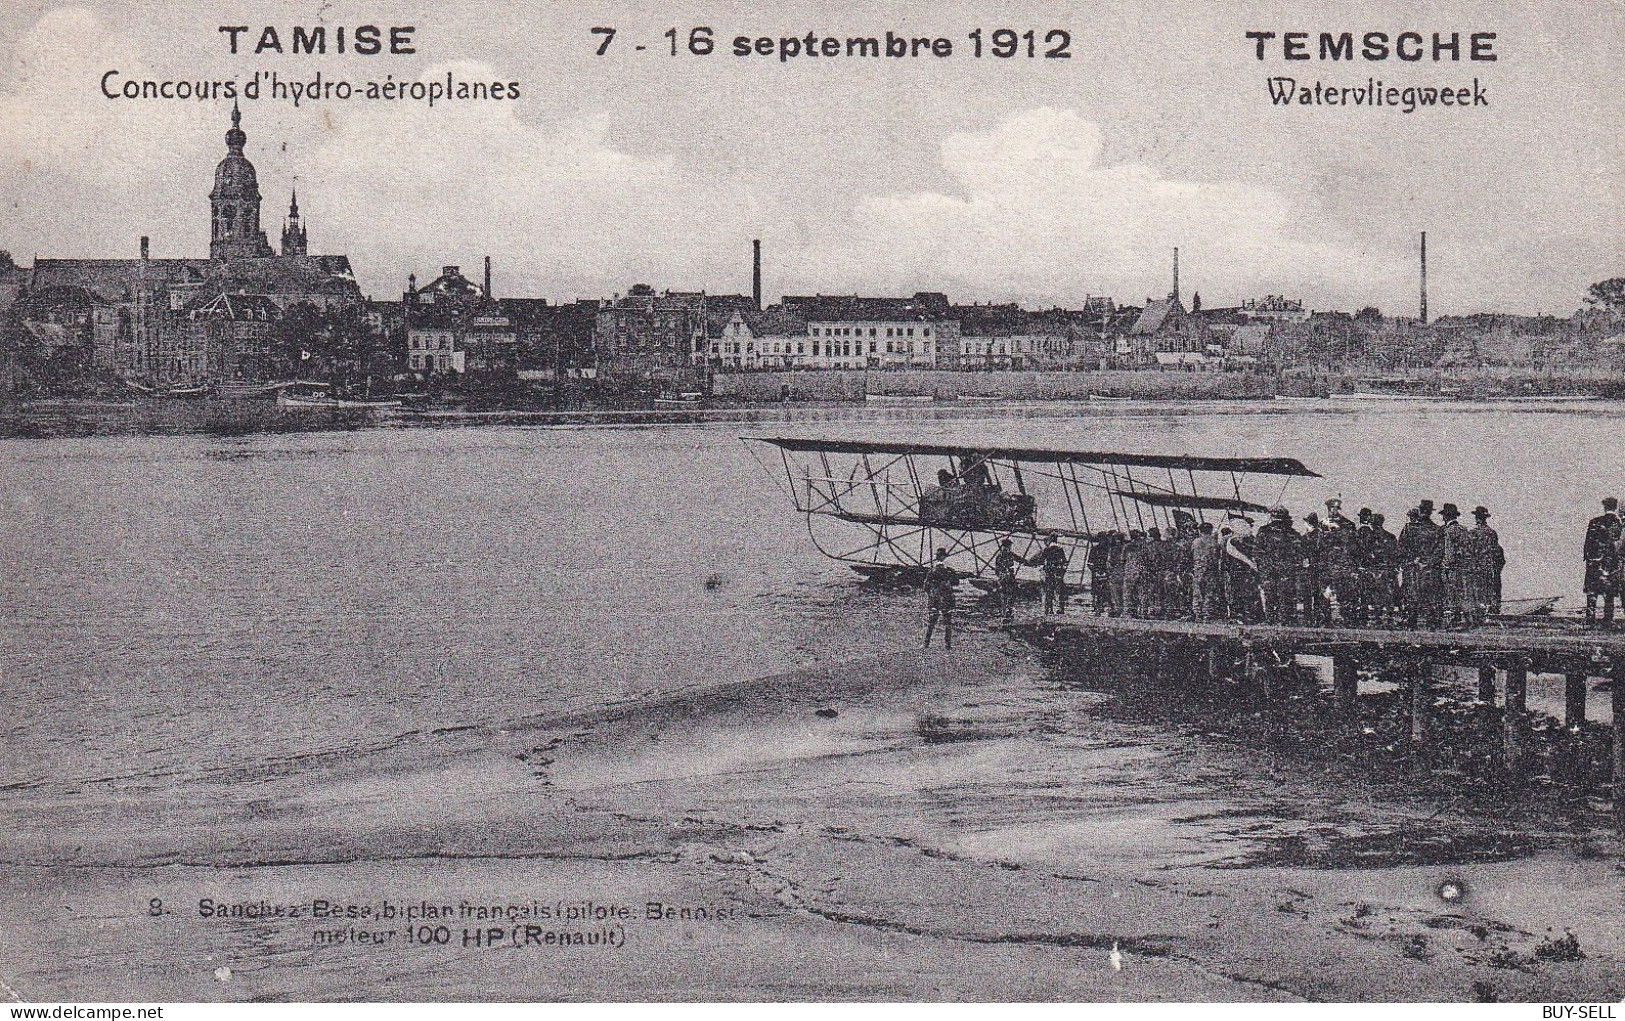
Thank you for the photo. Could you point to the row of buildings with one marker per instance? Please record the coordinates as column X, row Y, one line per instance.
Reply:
column 250, row 311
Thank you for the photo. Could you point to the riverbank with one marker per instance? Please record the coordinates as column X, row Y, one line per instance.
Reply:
column 900, row 826
column 1158, row 385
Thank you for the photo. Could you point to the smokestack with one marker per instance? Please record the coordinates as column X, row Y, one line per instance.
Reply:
column 1176, row 274
column 487, row 278
column 756, row 272
column 1424, row 278
column 143, row 247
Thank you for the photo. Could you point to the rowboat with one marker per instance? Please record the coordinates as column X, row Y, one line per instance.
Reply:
column 687, row 397
column 284, row 399
column 240, row 390
column 899, row 398
column 1537, row 607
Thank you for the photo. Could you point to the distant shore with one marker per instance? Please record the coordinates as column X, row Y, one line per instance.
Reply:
column 748, row 396
column 1160, row 384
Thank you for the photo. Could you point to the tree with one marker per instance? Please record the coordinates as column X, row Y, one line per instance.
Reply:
column 1368, row 314
column 1607, row 295
column 6, row 263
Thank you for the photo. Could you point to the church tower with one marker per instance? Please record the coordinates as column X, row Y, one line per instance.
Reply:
column 234, row 204
column 293, row 231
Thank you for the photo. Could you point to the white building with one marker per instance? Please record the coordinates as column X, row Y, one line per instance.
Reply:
column 873, row 344
column 830, row 344
column 433, row 349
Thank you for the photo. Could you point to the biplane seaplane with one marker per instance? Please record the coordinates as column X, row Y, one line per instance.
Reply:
column 885, row 508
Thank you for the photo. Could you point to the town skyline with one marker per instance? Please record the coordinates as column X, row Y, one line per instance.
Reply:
column 1030, row 188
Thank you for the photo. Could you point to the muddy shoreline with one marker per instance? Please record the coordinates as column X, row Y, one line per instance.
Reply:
column 908, row 826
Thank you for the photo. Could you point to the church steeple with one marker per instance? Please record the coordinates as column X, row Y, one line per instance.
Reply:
column 236, row 138
column 234, row 204
column 293, row 230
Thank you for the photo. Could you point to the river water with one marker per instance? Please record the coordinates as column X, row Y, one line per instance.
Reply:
column 175, row 605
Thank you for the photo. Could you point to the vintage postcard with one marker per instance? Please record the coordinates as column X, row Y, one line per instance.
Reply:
column 812, row 501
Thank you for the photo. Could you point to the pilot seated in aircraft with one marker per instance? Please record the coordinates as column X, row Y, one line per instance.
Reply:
column 974, row 501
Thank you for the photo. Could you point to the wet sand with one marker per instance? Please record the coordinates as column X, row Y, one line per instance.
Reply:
column 911, row 826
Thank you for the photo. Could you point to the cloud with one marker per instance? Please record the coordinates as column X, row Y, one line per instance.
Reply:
column 1037, row 213
column 556, row 204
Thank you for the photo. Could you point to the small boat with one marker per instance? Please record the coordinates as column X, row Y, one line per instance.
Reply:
column 1537, row 607
column 284, row 399
column 687, row 397
column 977, row 399
column 1366, row 395
column 899, row 398
column 1113, row 400
column 188, row 392
column 239, row 390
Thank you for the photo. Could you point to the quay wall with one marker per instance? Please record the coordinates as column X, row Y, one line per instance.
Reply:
column 1141, row 384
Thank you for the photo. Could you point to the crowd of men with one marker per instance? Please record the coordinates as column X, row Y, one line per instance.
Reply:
column 1334, row 570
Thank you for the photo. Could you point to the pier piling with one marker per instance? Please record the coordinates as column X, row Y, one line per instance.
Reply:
column 1346, row 684
column 1574, row 698
column 1515, row 720
column 1254, row 662
column 1420, row 674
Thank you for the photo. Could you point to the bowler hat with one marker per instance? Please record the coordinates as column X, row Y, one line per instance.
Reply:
column 1609, row 502
column 1450, row 511
column 1481, row 511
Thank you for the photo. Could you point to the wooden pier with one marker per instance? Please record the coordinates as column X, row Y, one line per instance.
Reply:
column 1509, row 651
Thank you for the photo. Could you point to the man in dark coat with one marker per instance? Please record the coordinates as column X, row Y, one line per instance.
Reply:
column 1116, row 560
column 1453, row 565
column 1485, row 559
column 1207, row 595
column 1052, row 562
column 1240, row 571
column 1339, row 562
column 1312, row 578
column 1004, row 571
column 1384, row 561
column 1098, row 560
column 1420, row 554
column 1156, row 568
column 1279, row 558
column 1136, row 587
column 939, row 599
column 1602, row 561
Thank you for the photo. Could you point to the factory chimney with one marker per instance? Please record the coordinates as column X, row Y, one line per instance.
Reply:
column 1424, row 278
column 487, row 278
column 1176, row 276
column 756, row 272
column 143, row 248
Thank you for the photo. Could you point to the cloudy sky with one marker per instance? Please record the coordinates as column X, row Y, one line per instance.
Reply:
column 1033, row 180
